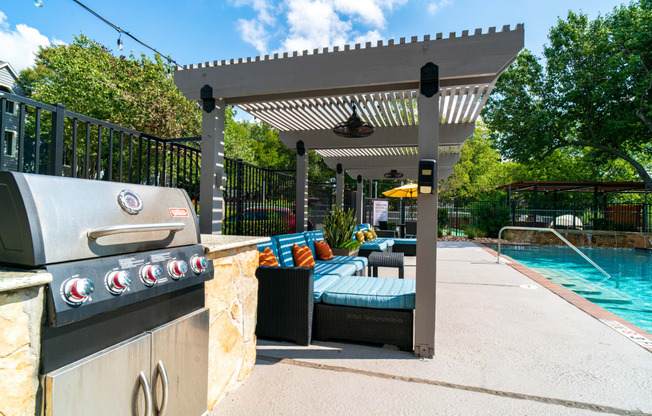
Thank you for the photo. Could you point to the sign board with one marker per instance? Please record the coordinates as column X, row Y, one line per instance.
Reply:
column 381, row 209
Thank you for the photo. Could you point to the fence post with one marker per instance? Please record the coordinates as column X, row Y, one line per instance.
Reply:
column 645, row 207
column 56, row 142
column 3, row 106
column 239, row 195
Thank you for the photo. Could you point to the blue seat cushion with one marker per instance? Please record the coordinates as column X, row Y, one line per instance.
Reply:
column 371, row 292
column 360, row 262
column 285, row 243
column 340, row 269
column 323, row 282
column 388, row 241
column 406, row 241
column 374, row 246
column 271, row 244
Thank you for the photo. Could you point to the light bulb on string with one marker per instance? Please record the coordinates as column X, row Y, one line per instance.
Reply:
column 38, row 3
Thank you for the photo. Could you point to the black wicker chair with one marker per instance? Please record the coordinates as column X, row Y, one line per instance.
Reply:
column 285, row 303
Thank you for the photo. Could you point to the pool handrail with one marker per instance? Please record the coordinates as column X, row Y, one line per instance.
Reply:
column 568, row 243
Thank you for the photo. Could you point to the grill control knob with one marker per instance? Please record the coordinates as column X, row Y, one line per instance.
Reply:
column 76, row 291
column 177, row 268
column 118, row 281
column 198, row 264
column 150, row 274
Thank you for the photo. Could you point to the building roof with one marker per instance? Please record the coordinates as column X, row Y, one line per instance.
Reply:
column 570, row 186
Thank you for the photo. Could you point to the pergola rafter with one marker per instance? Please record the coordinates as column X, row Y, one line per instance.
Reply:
column 305, row 94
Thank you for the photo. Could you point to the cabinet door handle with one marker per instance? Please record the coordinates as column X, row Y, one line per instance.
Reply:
column 144, row 384
column 166, row 387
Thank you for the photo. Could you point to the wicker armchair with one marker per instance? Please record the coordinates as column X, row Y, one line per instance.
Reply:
column 285, row 303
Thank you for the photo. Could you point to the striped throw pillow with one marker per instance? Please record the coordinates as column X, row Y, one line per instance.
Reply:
column 302, row 256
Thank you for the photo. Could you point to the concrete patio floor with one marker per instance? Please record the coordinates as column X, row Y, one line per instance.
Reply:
column 500, row 349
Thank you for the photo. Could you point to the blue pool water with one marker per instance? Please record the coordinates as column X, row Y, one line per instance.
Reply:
column 628, row 293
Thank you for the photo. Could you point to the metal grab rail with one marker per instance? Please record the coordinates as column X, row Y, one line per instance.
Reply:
column 568, row 243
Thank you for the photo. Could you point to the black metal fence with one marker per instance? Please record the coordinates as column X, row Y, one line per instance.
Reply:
column 257, row 201
column 635, row 217
column 42, row 138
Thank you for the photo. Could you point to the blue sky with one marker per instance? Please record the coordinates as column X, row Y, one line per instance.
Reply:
column 193, row 31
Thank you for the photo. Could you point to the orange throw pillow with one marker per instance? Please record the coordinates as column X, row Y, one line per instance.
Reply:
column 323, row 250
column 267, row 258
column 302, row 256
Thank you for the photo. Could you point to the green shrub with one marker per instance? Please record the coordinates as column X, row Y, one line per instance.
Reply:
column 472, row 232
column 440, row 232
column 391, row 226
column 491, row 217
column 442, row 217
column 338, row 227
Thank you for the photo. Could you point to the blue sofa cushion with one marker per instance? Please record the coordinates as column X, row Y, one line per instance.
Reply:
column 323, row 282
column 285, row 243
column 340, row 269
column 371, row 292
column 271, row 244
column 374, row 246
column 388, row 241
column 406, row 241
column 311, row 237
column 360, row 262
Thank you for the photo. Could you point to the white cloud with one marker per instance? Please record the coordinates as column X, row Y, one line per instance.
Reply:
column 436, row 6
column 298, row 25
column 19, row 46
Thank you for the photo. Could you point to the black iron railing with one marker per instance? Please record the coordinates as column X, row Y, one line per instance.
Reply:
column 258, row 201
column 44, row 138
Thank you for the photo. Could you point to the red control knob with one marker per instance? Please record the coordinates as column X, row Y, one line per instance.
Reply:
column 177, row 268
column 198, row 264
column 77, row 291
column 118, row 281
column 150, row 274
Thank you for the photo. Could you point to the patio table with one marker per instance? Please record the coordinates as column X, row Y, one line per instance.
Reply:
column 382, row 259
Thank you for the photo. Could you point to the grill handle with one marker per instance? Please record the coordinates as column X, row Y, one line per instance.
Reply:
column 172, row 227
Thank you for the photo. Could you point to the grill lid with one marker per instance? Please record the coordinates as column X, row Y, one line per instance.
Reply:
column 46, row 219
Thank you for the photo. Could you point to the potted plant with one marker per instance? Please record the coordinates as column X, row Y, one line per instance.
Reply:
column 338, row 231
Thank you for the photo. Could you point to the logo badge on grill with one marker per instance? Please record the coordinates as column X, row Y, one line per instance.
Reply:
column 130, row 202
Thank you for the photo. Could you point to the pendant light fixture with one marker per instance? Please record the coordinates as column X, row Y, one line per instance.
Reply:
column 393, row 174
column 354, row 127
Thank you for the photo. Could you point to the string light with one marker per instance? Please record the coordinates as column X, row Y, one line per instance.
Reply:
column 39, row 3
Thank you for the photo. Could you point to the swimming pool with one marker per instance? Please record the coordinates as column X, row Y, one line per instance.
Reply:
column 628, row 293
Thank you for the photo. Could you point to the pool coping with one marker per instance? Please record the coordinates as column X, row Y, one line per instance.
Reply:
column 620, row 325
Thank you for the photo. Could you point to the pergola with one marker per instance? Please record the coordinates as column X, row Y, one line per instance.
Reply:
column 305, row 94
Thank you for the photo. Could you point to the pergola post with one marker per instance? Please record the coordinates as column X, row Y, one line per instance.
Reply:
column 301, row 221
column 359, row 201
column 212, row 163
column 426, row 273
column 339, row 186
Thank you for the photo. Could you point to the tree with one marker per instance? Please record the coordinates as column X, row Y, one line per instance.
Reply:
column 478, row 171
column 133, row 92
column 594, row 94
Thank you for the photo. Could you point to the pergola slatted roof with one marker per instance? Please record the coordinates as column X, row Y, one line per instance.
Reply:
column 382, row 81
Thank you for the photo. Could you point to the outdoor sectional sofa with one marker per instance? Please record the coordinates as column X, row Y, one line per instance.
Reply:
column 331, row 301
column 377, row 244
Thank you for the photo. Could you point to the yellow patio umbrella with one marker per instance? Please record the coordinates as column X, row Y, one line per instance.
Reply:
column 405, row 191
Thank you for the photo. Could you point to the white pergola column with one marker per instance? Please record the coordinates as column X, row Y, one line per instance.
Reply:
column 213, row 180
column 339, row 186
column 426, row 273
column 301, row 223
column 359, row 201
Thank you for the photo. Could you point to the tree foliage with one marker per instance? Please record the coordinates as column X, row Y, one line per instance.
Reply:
column 594, row 93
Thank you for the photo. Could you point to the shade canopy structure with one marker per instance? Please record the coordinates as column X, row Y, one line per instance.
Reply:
column 571, row 186
column 422, row 95
column 405, row 191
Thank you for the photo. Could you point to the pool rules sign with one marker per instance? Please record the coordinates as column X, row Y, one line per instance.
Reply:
column 381, row 209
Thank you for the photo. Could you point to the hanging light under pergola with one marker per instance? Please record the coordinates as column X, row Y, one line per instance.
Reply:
column 354, row 127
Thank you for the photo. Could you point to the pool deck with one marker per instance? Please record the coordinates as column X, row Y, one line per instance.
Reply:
column 500, row 349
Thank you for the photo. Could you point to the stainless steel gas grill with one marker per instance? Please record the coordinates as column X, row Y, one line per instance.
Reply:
column 126, row 330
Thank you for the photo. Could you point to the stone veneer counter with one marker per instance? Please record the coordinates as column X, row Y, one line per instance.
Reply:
column 232, row 297
column 21, row 309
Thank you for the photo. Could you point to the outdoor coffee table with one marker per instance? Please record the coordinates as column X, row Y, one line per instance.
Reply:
column 381, row 259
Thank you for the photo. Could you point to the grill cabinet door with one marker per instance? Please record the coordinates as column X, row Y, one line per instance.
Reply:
column 103, row 384
column 181, row 347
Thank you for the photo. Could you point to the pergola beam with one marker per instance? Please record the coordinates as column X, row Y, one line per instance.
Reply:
column 461, row 60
